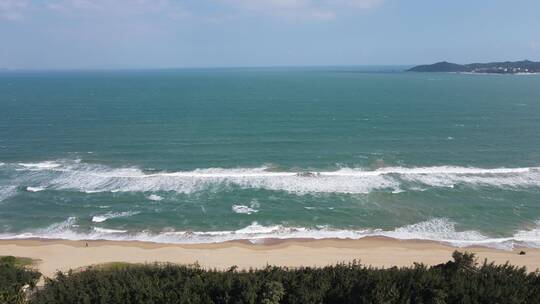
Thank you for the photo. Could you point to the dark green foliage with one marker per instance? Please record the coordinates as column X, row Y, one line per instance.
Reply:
column 459, row 281
column 440, row 67
column 13, row 276
column 506, row 67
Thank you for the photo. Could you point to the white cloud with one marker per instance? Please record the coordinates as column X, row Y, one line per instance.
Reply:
column 302, row 9
column 359, row 4
column 166, row 8
column 176, row 9
column 20, row 9
column 12, row 9
column 271, row 4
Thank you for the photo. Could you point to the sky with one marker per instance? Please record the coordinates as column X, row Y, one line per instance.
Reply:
column 80, row 34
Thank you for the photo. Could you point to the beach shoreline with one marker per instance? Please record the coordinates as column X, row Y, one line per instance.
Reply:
column 63, row 255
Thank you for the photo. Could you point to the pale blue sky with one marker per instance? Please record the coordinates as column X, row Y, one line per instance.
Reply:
column 66, row 34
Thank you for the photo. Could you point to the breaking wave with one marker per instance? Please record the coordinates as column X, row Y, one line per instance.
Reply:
column 243, row 209
column 105, row 231
column 91, row 178
column 438, row 229
column 40, row 166
column 154, row 197
column 111, row 215
column 34, row 189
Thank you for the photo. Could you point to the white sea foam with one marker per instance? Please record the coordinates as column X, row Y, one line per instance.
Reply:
column 60, row 227
column 243, row 209
column 111, row 215
column 154, row 197
column 34, row 189
column 41, row 165
column 7, row 192
column 99, row 218
column 92, row 178
column 107, row 231
column 439, row 229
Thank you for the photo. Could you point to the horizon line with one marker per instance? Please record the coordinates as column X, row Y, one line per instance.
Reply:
column 224, row 67
column 4, row 69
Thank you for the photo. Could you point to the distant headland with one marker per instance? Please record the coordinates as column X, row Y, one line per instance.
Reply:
column 507, row 67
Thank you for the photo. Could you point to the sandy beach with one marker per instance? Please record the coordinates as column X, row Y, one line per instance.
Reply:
column 60, row 255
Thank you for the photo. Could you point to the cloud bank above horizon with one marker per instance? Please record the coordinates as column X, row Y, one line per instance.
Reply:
column 43, row 34
column 14, row 10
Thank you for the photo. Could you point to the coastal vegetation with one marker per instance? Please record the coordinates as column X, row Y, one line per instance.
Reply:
column 507, row 67
column 462, row 280
column 15, row 277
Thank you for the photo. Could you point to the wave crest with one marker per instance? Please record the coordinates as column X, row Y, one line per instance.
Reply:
column 111, row 215
column 91, row 178
column 438, row 229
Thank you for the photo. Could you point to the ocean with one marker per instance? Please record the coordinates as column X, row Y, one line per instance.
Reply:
column 211, row 155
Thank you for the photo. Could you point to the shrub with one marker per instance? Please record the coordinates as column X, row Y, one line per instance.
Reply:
column 14, row 275
column 462, row 280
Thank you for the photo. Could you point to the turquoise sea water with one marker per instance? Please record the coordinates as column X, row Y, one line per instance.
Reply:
column 217, row 154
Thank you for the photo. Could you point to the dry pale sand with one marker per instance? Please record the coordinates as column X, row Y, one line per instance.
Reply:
column 54, row 255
